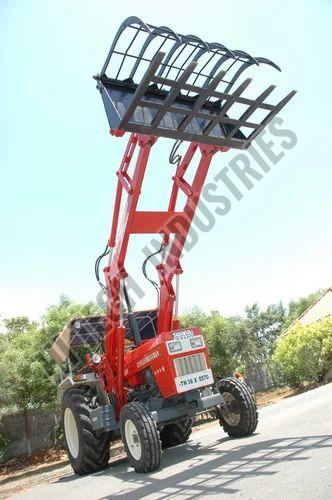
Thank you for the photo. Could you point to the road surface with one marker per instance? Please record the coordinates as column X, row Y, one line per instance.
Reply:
column 289, row 457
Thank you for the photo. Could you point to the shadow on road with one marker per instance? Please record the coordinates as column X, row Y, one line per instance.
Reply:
column 210, row 469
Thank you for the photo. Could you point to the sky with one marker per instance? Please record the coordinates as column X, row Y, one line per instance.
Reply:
column 58, row 161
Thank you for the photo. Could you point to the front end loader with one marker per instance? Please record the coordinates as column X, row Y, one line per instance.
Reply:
column 143, row 377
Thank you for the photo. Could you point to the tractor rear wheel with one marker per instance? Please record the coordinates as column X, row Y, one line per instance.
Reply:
column 241, row 417
column 176, row 433
column 87, row 451
column 140, row 437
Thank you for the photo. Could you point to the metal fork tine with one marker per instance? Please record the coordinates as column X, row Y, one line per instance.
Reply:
column 173, row 93
column 251, row 109
column 271, row 115
column 140, row 91
column 230, row 101
column 201, row 99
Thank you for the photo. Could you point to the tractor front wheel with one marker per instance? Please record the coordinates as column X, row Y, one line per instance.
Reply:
column 87, row 451
column 140, row 437
column 176, row 433
column 240, row 416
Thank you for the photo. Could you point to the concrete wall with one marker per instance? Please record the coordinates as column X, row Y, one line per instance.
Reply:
column 42, row 425
column 259, row 380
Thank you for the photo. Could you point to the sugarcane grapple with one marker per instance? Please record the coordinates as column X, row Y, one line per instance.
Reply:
column 144, row 377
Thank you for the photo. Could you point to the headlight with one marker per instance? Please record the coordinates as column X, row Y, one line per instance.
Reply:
column 174, row 346
column 196, row 342
column 96, row 358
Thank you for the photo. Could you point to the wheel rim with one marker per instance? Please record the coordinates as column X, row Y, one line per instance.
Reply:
column 233, row 416
column 132, row 439
column 71, row 433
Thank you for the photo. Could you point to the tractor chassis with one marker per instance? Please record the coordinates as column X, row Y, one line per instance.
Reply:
column 162, row 411
column 189, row 404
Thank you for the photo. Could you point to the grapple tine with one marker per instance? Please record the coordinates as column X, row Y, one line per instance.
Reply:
column 187, row 106
column 214, row 51
column 140, row 91
column 264, row 60
column 223, row 48
column 271, row 115
column 201, row 99
column 241, row 53
column 251, row 109
column 230, row 101
column 174, row 93
column 236, row 76
column 246, row 65
column 197, row 40
column 153, row 34
column 219, row 63
column 126, row 23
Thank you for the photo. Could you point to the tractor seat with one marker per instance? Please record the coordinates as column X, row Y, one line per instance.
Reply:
column 147, row 324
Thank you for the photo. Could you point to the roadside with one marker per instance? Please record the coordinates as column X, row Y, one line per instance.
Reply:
column 23, row 473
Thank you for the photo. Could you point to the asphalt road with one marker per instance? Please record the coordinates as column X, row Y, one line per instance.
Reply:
column 289, row 457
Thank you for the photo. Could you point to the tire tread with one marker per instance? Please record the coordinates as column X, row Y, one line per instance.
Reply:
column 95, row 448
column 248, row 407
column 150, row 442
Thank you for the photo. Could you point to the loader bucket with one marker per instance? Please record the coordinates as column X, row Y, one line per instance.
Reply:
column 157, row 82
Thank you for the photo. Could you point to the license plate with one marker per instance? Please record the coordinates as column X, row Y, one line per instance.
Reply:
column 193, row 380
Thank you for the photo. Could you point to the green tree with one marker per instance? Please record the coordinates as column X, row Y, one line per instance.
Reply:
column 3, row 371
column 304, row 353
column 245, row 346
column 194, row 317
column 264, row 327
column 18, row 325
column 28, row 374
column 220, row 338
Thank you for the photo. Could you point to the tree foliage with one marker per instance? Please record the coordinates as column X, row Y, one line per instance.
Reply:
column 304, row 353
column 27, row 371
column 29, row 376
column 265, row 326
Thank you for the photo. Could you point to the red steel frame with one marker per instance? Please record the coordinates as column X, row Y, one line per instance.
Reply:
column 168, row 222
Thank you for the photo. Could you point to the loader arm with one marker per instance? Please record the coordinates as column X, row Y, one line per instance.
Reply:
column 179, row 87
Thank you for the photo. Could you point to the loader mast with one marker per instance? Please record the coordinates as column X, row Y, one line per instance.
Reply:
column 167, row 223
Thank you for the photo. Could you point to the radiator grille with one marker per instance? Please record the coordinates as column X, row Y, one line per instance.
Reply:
column 190, row 364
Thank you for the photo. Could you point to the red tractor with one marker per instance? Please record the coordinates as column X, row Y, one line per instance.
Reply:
column 145, row 377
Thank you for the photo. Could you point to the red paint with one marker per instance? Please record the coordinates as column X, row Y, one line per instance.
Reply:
column 123, row 369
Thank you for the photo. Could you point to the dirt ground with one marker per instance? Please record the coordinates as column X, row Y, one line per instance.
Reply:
column 23, row 473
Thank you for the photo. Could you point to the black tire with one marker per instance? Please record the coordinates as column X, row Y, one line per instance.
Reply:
column 243, row 417
column 147, row 456
column 93, row 448
column 176, row 433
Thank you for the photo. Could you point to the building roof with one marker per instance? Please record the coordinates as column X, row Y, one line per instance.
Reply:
column 320, row 309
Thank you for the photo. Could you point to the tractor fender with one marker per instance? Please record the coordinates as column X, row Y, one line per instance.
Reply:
column 86, row 379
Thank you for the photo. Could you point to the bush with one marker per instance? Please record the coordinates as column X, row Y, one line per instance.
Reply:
column 304, row 354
